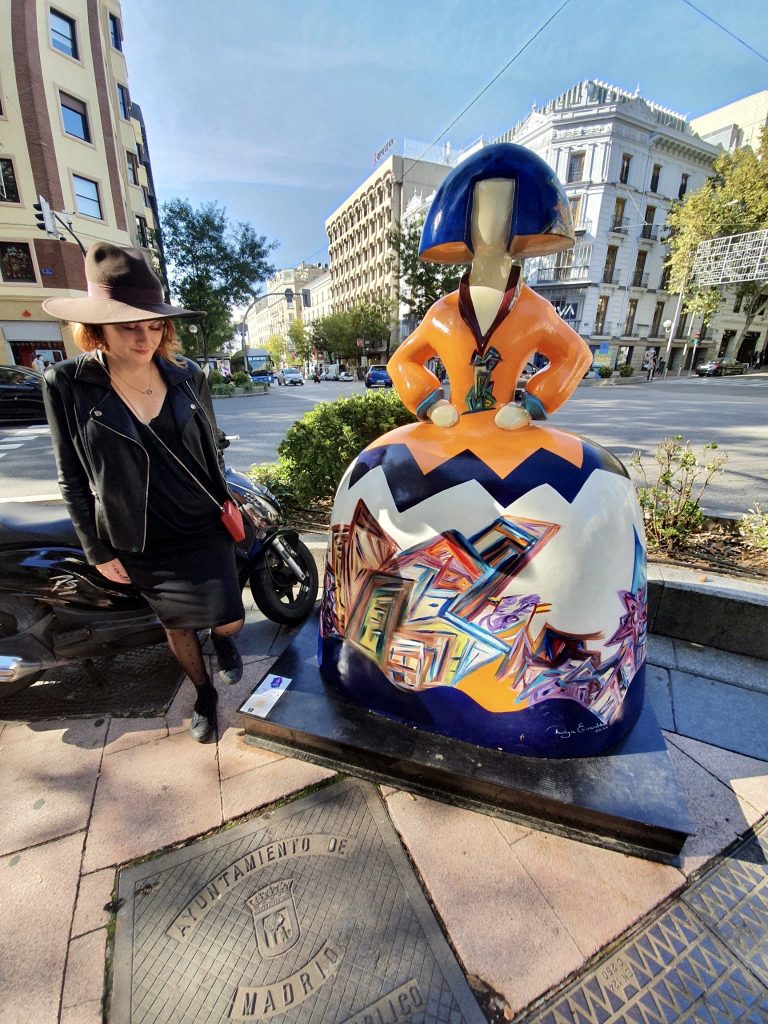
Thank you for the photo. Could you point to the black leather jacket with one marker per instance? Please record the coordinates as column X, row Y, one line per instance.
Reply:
column 103, row 465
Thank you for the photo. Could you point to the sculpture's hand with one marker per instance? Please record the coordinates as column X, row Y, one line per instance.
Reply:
column 443, row 414
column 511, row 416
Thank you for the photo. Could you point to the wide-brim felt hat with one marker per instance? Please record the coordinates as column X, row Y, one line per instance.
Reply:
column 122, row 288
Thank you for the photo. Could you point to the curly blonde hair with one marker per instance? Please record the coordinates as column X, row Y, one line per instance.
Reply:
column 91, row 336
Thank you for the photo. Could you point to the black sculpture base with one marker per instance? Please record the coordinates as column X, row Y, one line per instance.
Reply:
column 629, row 799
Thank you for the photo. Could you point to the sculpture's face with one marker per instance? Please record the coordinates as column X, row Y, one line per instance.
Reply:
column 491, row 212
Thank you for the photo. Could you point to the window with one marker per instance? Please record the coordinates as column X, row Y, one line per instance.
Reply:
column 133, row 168
column 664, row 282
column 610, row 264
column 650, row 215
column 124, row 102
column 9, row 190
column 63, row 34
column 655, row 173
column 618, row 214
column 74, row 114
column 737, row 303
column 638, row 280
column 575, row 203
column 683, row 185
column 575, row 167
column 658, row 313
column 630, row 321
column 115, row 32
column 623, row 356
column 16, row 266
column 602, row 310
column 87, row 199
column 141, row 232
column 626, row 160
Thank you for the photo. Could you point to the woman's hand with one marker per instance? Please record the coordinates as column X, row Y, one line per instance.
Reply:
column 443, row 414
column 114, row 571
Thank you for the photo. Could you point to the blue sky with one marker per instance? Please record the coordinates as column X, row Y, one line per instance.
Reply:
column 274, row 109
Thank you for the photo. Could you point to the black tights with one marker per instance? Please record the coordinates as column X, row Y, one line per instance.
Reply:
column 186, row 649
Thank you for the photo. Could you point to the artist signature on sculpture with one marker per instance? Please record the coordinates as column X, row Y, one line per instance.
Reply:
column 567, row 734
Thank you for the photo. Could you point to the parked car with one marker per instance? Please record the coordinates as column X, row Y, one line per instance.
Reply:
column 720, row 367
column 346, row 375
column 21, row 394
column 290, row 375
column 377, row 377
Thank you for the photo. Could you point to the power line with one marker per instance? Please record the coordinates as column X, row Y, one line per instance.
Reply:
column 488, row 85
column 726, row 30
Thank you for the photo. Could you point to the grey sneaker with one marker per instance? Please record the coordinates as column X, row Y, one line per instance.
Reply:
column 228, row 657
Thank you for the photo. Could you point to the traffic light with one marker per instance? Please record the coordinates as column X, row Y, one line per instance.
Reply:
column 288, row 296
column 45, row 218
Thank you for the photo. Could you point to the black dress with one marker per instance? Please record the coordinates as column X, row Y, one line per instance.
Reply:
column 187, row 571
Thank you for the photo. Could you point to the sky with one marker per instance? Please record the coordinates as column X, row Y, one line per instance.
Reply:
column 274, row 110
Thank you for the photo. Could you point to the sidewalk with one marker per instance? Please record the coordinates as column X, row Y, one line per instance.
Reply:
column 526, row 911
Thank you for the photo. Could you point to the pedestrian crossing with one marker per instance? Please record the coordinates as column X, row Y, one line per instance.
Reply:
column 12, row 439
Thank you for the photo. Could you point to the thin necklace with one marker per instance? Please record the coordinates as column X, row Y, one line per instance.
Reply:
column 141, row 391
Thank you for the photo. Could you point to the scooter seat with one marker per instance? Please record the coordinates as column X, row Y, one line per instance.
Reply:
column 24, row 522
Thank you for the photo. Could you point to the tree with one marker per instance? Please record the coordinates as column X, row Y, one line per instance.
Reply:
column 421, row 284
column 213, row 265
column 734, row 200
column 300, row 340
column 338, row 333
column 277, row 348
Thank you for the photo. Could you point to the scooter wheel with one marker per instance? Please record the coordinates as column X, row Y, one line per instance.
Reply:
column 16, row 616
column 277, row 592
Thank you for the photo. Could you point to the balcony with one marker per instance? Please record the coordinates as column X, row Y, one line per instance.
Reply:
column 583, row 226
column 550, row 275
column 620, row 226
column 602, row 329
column 639, row 280
column 609, row 276
column 650, row 232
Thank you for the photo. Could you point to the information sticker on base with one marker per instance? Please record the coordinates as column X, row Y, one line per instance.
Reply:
column 266, row 695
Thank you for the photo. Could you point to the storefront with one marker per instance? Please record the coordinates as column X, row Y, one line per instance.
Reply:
column 26, row 339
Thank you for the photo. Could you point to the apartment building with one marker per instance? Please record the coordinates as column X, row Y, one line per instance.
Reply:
column 736, row 124
column 622, row 160
column 274, row 313
column 69, row 133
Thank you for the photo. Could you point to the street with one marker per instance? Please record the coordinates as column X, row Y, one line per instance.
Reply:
column 730, row 411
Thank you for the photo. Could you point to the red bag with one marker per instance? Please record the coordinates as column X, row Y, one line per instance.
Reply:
column 232, row 518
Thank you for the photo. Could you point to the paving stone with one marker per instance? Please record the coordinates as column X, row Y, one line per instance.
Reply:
column 49, row 772
column 132, row 732
column 723, row 715
column 717, row 817
column 657, row 692
column 84, row 978
column 732, row 900
column 95, row 891
column 85, row 1013
column 596, row 893
column 150, row 796
column 271, row 781
column 746, row 776
column 661, row 651
column 749, row 673
column 39, row 885
column 511, row 831
column 503, row 929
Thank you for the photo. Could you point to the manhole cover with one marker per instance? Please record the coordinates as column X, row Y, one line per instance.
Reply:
column 140, row 682
column 310, row 913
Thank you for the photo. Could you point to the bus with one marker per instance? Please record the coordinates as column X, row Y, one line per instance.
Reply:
column 255, row 361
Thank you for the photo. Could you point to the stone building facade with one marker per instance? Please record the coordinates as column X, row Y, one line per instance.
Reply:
column 70, row 134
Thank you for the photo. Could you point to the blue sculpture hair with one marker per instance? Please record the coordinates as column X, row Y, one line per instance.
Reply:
column 541, row 219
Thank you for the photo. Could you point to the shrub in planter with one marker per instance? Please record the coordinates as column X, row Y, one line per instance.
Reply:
column 223, row 389
column 214, row 377
column 753, row 528
column 317, row 449
column 604, row 372
column 626, row 370
column 242, row 379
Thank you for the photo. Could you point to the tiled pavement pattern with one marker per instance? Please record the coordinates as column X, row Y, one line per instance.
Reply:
column 526, row 911
column 703, row 959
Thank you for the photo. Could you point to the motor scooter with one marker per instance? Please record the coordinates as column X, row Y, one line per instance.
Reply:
column 56, row 609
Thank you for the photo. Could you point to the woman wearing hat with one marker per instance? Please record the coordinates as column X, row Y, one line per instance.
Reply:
column 134, row 436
